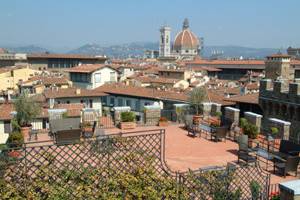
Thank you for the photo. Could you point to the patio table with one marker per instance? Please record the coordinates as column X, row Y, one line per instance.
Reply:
column 207, row 129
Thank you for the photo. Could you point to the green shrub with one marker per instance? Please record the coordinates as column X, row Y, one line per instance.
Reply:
column 243, row 122
column 255, row 190
column 64, row 115
column 251, row 130
column 14, row 140
column 219, row 114
column 127, row 117
column 274, row 131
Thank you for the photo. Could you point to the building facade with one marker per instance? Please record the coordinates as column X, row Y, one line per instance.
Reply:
column 279, row 95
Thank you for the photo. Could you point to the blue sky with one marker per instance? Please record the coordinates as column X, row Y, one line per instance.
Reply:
column 72, row 23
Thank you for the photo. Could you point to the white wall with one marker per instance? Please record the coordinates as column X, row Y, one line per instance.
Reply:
column 3, row 136
column 105, row 77
column 97, row 104
column 142, row 102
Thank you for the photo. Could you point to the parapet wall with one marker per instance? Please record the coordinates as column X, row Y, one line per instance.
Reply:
column 280, row 89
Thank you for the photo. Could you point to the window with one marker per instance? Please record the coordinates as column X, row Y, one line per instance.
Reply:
column 112, row 77
column 7, row 127
column 137, row 105
column 97, row 78
column 91, row 103
column 112, row 101
column 104, row 100
column 120, row 102
column 68, row 102
column 128, row 102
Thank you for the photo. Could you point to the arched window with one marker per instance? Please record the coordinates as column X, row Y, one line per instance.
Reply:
column 277, row 107
column 283, row 110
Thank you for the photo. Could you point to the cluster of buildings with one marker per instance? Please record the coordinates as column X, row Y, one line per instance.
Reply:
column 73, row 82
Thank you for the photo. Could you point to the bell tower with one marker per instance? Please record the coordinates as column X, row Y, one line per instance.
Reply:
column 165, row 42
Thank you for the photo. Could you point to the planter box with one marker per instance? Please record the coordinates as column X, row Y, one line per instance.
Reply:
column 25, row 131
column 163, row 123
column 127, row 125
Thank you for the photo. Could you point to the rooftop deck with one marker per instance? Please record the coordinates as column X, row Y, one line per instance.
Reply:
column 183, row 152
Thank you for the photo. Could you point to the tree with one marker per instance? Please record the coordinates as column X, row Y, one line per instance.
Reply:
column 196, row 98
column 26, row 110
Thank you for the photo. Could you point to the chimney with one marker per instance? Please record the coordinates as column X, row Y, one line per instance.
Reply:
column 78, row 91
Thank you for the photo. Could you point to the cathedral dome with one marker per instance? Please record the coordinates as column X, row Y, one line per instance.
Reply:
column 186, row 39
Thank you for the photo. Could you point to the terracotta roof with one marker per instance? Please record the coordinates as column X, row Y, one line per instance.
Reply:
column 146, row 79
column 216, row 98
column 88, row 68
column 71, row 92
column 206, row 68
column 180, row 70
column 73, row 109
column 47, row 80
column 248, row 98
column 227, row 62
column 279, row 56
column 121, row 89
column 8, row 108
column 64, row 56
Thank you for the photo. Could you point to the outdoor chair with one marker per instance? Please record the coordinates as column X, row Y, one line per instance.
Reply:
column 193, row 130
column 244, row 152
column 33, row 133
column 219, row 133
column 289, row 165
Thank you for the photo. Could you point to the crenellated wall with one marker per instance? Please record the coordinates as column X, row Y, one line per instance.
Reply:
column 281, row 100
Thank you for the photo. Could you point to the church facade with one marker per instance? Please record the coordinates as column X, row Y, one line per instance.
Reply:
column 185, row 46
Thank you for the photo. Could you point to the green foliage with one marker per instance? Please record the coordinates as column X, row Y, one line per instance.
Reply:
column 219, row 114
column 243, row 122
column 251, row 130
column 26, row 109
column 196, row 98
column 15, row 125
column 64, row 115
column 214, row 184
column 274, row 131
column 255, row 190
column 14, row 140
column 138, row 182
column 127, row 117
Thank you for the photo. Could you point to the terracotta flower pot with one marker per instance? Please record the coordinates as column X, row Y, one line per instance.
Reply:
column 162, row 123
column 25, row 131
column 127, row 125
column 196, row 119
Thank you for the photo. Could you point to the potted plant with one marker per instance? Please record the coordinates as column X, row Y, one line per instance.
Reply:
column 196, row 98
column 26, row 111
column 163, row 121
column 14, row 142
column 274, row 132
column 127, row 120
column 243, row 123
column 252, row 131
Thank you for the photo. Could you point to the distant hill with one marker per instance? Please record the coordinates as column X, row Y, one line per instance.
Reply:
column 137, row 49
column 238, row 51
column 28, row 49
column 116, row 51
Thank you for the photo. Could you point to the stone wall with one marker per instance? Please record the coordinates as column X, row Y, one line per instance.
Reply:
column 254, row 118
column 282, row 126
column 232, row 114
column 152, row 116
column 281, row 100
